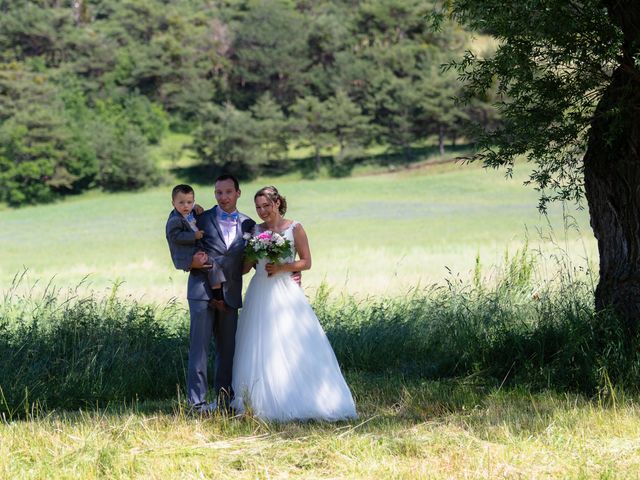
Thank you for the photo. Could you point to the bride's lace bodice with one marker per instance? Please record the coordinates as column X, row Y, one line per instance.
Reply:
column 287, row 234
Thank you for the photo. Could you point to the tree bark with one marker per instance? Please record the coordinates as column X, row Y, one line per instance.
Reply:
column 80, row 12
column 318, row 162
column 612, row 182
column 441, row 132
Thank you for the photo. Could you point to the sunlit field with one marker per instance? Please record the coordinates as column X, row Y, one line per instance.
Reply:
column 373, row 236
column 370, row 235
column 409, row 430
column 463, row 320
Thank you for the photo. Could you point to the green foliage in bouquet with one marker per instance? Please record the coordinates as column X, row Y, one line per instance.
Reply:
column 269, row 245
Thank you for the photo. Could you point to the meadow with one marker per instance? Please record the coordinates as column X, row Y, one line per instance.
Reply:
column 464, row 382
column 373, row 234
column 407, row 430
column 462, row 318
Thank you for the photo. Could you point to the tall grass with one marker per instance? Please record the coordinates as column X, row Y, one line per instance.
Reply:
column 61, row 350
column 64, row 350
column 513, row 330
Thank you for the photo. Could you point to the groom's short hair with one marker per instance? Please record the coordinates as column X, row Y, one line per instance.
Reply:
column 228, row 176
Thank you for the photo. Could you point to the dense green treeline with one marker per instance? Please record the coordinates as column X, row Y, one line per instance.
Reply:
column 87, row 85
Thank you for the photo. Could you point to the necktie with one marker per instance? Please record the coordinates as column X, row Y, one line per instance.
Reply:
column 229, row 216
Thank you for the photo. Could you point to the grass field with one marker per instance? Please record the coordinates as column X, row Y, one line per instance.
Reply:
column 376, row 234
column 370, row 234
column 407, row 429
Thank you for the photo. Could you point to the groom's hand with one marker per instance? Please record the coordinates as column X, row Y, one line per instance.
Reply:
column 197, row 209
column 199, row 260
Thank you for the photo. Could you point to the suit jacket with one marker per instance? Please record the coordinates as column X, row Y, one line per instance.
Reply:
column 181, row 239
column 230, row 259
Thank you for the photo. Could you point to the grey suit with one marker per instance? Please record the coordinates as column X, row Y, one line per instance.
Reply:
column 206, row 321
column 181, row 239
column 183, row 244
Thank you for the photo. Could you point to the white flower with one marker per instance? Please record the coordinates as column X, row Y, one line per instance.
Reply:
column 246, row 236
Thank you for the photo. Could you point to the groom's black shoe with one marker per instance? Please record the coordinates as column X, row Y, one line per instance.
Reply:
column 203, row 408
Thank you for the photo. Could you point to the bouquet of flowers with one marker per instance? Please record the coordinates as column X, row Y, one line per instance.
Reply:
column 267, row 244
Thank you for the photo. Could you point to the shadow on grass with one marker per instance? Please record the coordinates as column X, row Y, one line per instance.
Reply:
column 199, row 174
column 69, row 353
column 387, row 404
column 411, row 156
column 309, row 167
column 380, row 398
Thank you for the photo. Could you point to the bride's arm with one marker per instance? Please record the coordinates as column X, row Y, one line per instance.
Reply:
column 247, row 266
column 304, row 254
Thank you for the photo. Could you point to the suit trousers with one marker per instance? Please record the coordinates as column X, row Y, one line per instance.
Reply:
column 205, row 323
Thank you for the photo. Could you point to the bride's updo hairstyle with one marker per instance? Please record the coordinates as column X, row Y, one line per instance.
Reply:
column 272, row 194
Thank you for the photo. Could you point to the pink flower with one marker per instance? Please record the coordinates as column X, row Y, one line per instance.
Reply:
column 269, row 245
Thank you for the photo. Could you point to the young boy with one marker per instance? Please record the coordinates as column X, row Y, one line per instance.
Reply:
column 183, row 234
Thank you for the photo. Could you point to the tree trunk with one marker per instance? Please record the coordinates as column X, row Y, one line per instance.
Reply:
column 408, row 153
column 318, row 162
column 80, row 12
column 441, row 139
column 612, row 185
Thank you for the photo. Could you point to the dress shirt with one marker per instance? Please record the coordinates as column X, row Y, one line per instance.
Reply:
column 191, row 220
column 229, row 228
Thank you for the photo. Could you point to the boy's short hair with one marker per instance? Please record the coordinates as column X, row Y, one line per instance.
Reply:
column 182, row 188
column 228, row 176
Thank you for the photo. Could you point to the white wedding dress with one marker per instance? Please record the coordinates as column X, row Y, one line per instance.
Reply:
column 284, row 367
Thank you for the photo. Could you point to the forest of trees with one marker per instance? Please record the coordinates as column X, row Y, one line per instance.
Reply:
column 87, row 85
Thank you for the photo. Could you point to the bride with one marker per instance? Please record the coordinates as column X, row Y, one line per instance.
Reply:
column 284, row 367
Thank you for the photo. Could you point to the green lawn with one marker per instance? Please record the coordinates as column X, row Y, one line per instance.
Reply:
column 370, row 235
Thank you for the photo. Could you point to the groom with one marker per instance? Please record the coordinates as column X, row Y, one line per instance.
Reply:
column 216, row 312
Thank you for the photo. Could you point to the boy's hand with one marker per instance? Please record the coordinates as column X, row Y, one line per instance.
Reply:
column 199, row 235
column 199, row 260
